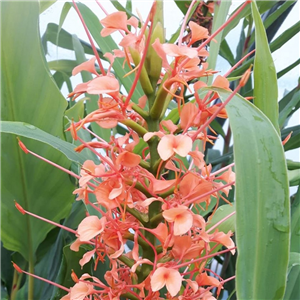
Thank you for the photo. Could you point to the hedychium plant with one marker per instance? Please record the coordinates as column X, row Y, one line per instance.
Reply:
column 157, row 207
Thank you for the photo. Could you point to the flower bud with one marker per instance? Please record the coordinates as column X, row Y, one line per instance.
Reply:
column 144, row 79
column 153, row 62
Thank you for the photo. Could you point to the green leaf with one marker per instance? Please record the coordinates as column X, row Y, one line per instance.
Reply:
column 62, row 65
column 295, row 223
column 64, row 40
column 265, row 78
column 294, row 177
column 220, row 15
column 288, row 68
column 289, row 106
column 293, row 288
column 276, row 44
column 29, row 95
column 294, row 141
column 32, row 132
column 262, row 202
column 226, row 53
column 221, row 213
column 45, row 4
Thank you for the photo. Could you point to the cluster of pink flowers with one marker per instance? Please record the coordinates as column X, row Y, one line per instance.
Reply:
column 134, row 196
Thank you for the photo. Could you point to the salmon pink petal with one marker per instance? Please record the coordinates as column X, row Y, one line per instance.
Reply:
column 198, row 32
column 149, row 135
column 115, row 21
column 80, row 290
column 161, row 186
column 176, row 51
column 188, row 114
column 103, row 85
column 75, row 245
column 90, row 227
column 221, row 82
column 115, row 192
column 157, row 46
column 166, row 277
column 128, row 159
column 88, row 66
column 182, row 218
column 139, row 262
column 87, row 257
column 165, row 147
column 169, row 125
column 133, row 21
column 183, row 145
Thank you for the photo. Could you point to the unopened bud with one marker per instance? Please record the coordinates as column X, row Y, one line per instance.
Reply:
column 22, row 146
column 144, row 79
column 153, row 62
column 74, row 277
column 245, row 77
column 19, row 208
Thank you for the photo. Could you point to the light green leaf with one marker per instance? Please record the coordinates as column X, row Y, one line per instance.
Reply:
column 220, row 15
column 293, row 288
column 221, row 213
column 45, row 4
column 29, row 95
column 262, row 202
column 32, row 132
column 265, row 78
column 294, row 177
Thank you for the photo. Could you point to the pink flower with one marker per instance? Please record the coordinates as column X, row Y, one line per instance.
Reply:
column 104, row 85
column 90, row 227
column 166, row 277
column 182, row 218
column 171, row 144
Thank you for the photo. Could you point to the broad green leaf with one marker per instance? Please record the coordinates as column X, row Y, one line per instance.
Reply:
column 107, row 44
column 32, row 132
column 262, row 202
column 293, row 288
column 29, row 95
column 265, row 78
column 70, row 262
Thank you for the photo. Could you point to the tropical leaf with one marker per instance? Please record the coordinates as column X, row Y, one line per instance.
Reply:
column 29, row 94
column 262, row 202
column 32, row 132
